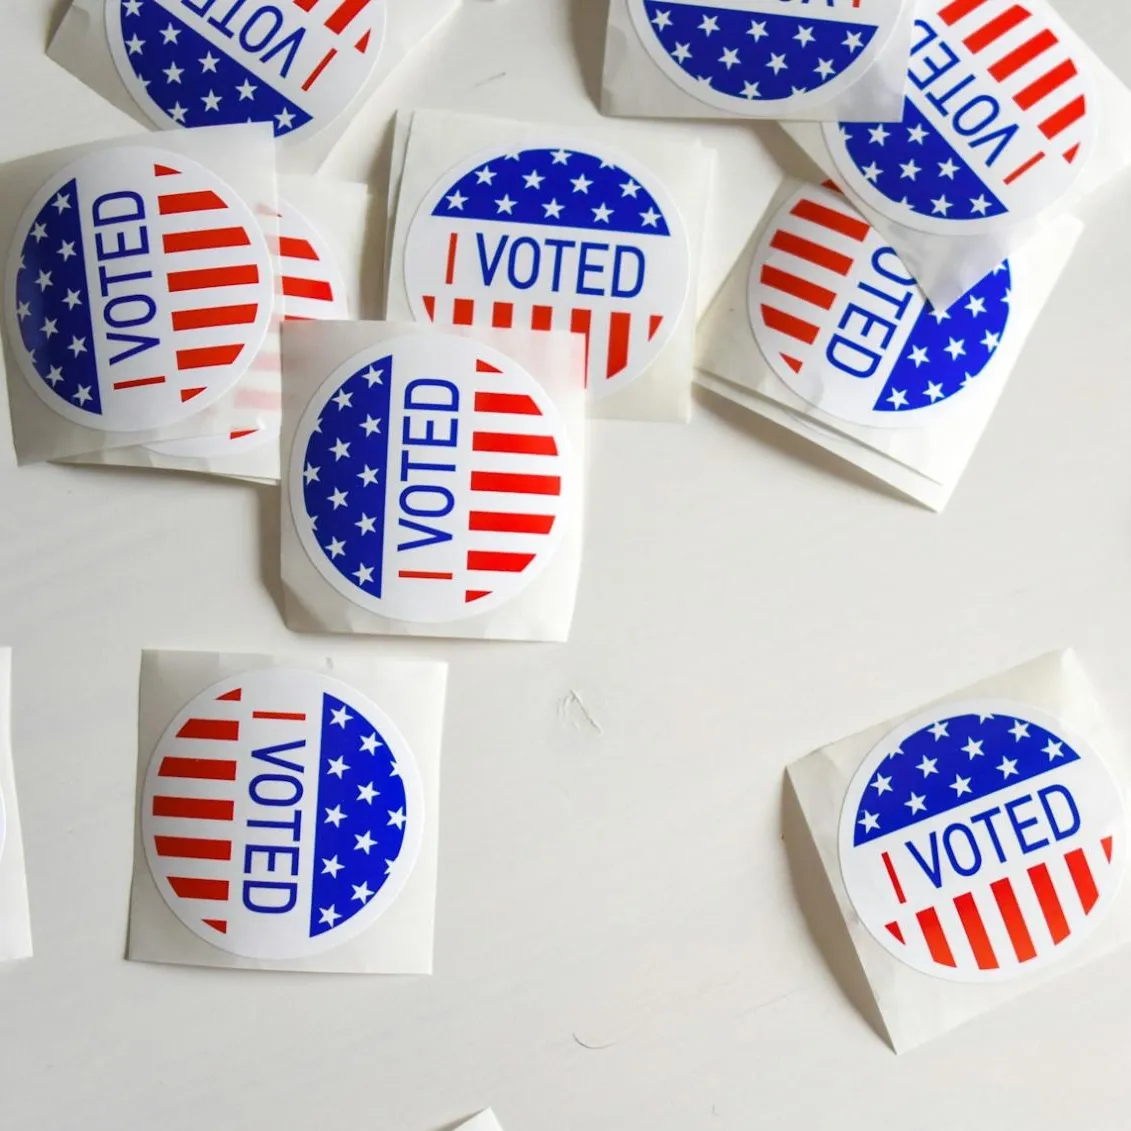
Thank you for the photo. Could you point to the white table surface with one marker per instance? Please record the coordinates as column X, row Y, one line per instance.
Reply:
column 619, row 947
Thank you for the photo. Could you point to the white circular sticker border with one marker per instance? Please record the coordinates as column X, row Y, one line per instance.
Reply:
column 179, row 271
column 752, row 56
column 998, row 123
column 842, row 322
column 296, row 65
column 1001, row 870
column 443, row 474
column 549, row 237
column 251, row 854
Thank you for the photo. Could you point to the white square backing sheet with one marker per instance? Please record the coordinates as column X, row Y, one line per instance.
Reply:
column 15, row 918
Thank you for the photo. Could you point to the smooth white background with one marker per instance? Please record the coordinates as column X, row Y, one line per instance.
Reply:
column 619, row 946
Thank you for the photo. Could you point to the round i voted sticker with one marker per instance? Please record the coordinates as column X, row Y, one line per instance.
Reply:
column 282, row 814
column 981, row 840
column 755, row 56
column 313, row 289
column 138, row 290
column 842, row 322
column 296, row 64
column 430, row 479
column 554, row 239
column 998, row 121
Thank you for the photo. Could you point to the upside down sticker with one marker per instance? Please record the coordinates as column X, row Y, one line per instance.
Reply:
column 138, row 290
column 430, row 479
column 980, row 841
column 748, row 56
column 998, row 121
column 296, row 64
column 282, row 814
column 844, row 325
column 554, row 239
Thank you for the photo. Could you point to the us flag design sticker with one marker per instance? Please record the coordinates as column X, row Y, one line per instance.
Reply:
column 554, row 239
column 282, row 814
column 139, row 290
column 997, row 123
column 430, row 479
column 842, row 322
column 980, row 840
column 757, row 56
column 296, row 64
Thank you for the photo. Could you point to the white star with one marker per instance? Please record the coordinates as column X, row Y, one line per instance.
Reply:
column 871, row 172
column 991, row 341
column 457, row 200
column 246, row 90
column 939, row 316
column 1008, row 766
column 561, row 156
column 940, row 206
column 974, row 749
column 343, row 399
column 804, row 36
column 505, row 205
column 976, row 305
column 898, row 398
column 870, row 822
column 1019, row 730
column 135, row 45
column 909, row 170
column 485, row 175
column 370, row 744
column 364, row 843
column 882, row 784
column 44, row 280
column 208, row 63
column 960, row 785
column 334, row 816
column 366, row 525
column 310, row 473
column 757, row 30
column 73, row 299
column 956, row 348
column 373, row 376
column 173, row 73
column 662, row 20
column 340, row 449
column 397, row 819
column 285, row 119
column 366, row 793
column 533, row 180
column 824, row 68
column 629, row 188
column 927, row 766
column 361, row 892
column 177, row 112
column 553, row 210
column 777, row 63
column 938, row 730
column 917, row 802
column 916, row 134
column 729, row 58
column 853, row 41
column 1054, row 750
column 681, row 53
column 947, row 168
column 66, row 250
column 367, row 475
column 750, row 90
column 336, row 548
column 23, row 310
column 332, row 867
column 878, row 134
column 77, row 346
column 49, row 327
column 340, row 717
column 651, row 218
column 934, row 392
column 370, row 425
column 83, row 395
column 364, row 574
column 131, row 7
column 39, row 232
column 336, row 766
column 581, row 184
column 211, row 101
column 918, row 356
column 169, row 34
column 602, row 214
column 54, row 376
column 709, row 24
column 328, row 915
column 980, row 205
column 61, row 203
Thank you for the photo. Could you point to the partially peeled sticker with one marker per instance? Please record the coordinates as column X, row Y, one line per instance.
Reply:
column 296, row 65
column 753, row 56
column 841, row 321
column 430, row 479
column 554, row 238
column 981, row 840
column 139, row 290
column 999, row 119
column 282, row 814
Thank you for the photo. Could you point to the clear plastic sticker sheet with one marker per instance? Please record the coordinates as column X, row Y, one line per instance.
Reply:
column 139, row 293
column 303, row 69
column 288, row 813
column 15, row 918
column 844, row 60
column 822, row 328
column 433, row 481
column 1009, row 119
column 321, row 264
column 519, row 226
column 975, row 847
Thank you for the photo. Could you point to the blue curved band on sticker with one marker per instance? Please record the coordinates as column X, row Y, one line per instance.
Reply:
column 756, row 58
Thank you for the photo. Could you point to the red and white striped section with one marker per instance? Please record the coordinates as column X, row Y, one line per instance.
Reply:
column 1011, row 921
column 1031, row 64
column 343, row 18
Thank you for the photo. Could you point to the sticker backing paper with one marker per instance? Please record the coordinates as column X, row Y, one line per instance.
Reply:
column 15, row 919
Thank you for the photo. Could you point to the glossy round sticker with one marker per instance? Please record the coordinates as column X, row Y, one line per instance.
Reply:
column 139, row 290
column 980, row 840
column 842, row 322
column 296, row 64
column 758, row 57
column 282, row 814
column 430, row 479
column 554, row 239
column 313, row 288
column 999, row 118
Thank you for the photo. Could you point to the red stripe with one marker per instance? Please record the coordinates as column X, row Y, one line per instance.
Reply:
column 191, row 888
column 306, row 5
column 976, row 932
column 307, row 288
column 832, row 219
column 166, row 171
column 1014, row 920
column 482, row 366
column 1049, row 901
column 1082, row 877
column 798, row 287
column 425, row 575
column 1021, row 170
column 953, row 12
column 502, row 315
column 514, row 442
column 430, row 307
column 241, row 315
column 1020, row 56
column 293, row 248
column 463, row 312
column 1067, row 116
column 289, row 716
column 344, row 14
column 620, row 328
column 490, row 562
column 1106, row 844
column 207, row 769
column 453, row 247
column 216, row 730
column 542, row 318
column 936, row 937
column 207, row 356
column 312, row 78
column 1046, row 84
column 503, row 523
column 518, row 404
column 896, row 931
column 475, row 594
column 233, row 696
column 894, row 878
column 174, row 203
column 205, row 239
column 196, row 808
column 193, row 847
column 138, row 382
column 811, row 252
column 996, row 28
column 516, row 484
column 207, row 277
column 188, row 394
column 220, row 925
column 787, row 324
